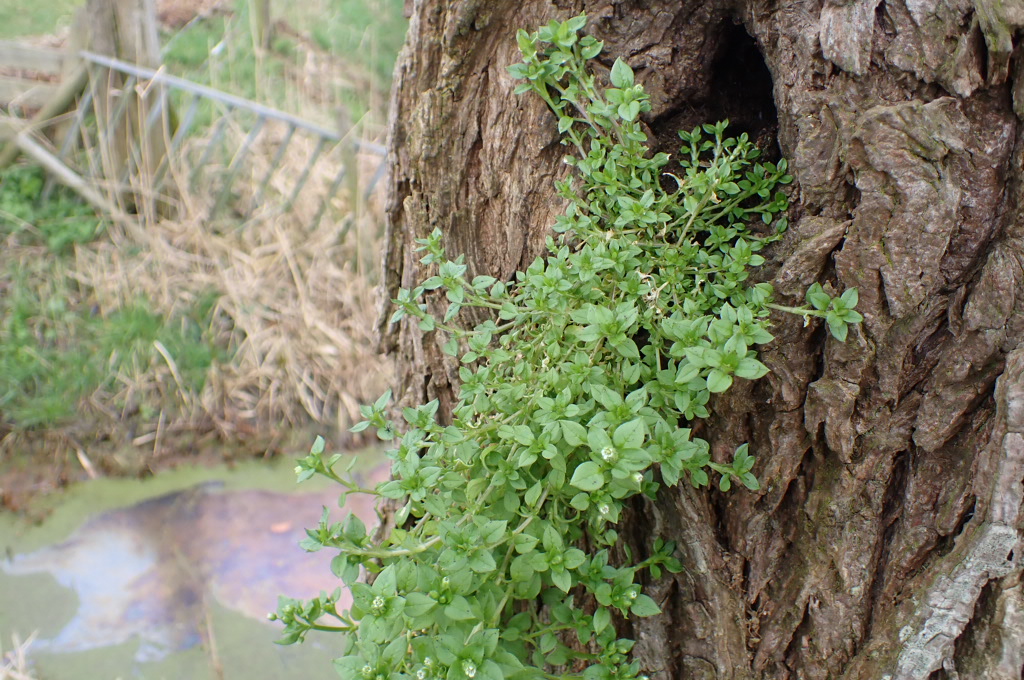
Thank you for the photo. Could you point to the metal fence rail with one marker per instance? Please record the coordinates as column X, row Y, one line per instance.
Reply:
column 131, row 135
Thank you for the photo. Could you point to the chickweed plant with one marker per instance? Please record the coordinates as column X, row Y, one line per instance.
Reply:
column 575, row 397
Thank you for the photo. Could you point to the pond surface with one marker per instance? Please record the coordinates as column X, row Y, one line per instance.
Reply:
column 171, row 577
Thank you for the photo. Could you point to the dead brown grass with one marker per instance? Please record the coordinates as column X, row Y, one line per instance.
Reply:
column 296, row 298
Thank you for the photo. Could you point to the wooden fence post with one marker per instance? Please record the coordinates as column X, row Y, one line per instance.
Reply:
column 135, row 123
column 124, row 29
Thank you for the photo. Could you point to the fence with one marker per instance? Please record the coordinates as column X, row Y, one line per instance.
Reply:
column 130, row 144
column 29, row 74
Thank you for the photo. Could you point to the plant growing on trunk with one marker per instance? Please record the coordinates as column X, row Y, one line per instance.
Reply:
column 576, row 396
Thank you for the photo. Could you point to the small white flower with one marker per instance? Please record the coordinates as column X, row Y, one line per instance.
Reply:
column 608, row 454
column 469, row 668
column 603, row 509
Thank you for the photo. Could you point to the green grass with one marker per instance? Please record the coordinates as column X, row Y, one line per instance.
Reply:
column 218, row 51
column 21, row 18
column 363, row 35
column 59, row 222
column 367, row 32
column 56, row 349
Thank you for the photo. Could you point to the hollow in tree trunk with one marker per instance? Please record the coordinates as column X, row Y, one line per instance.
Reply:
column 885, row 541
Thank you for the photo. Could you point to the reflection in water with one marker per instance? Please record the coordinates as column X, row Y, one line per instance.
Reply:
column 146, row 571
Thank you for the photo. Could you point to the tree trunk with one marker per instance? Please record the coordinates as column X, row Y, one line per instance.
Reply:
column 885, row 541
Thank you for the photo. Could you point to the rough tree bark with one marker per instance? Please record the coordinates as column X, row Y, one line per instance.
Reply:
column 886, row 539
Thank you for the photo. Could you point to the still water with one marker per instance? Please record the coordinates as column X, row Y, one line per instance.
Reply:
column 170, row 577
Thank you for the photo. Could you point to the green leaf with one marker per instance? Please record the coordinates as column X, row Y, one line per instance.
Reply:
column 602, row 619
column 574, row 558
column 418, row 604
column 525, row 543
column 526, row 44
column 628, row 349
column 576, row 23
column 719, row 381
column 382, row 401
column 837, row 326
column 456, row 296
column 637, row 399
column 629, row 112
column 533, row 495
column 452, row 311
column 751, row 369
column 622, row 74
column 482, row 562
column 851, row 316
column 608, row 398
column 523, row 434
column 588, row 477
column 592, row 50
column 817, row 297
column 573, row 433
column 489, row 670
column 687, row 372
column 644, row 606
column 492, row 531
column 742, row 460
column 696, row 356
column 562, row 580
column 459, row 609
column 630, row 435
column 551, row 540
column 850, row 298
column 598, row 439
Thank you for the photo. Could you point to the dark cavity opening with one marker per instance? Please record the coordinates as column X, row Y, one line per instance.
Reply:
column 738, row 86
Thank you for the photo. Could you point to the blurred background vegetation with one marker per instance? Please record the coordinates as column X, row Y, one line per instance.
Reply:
column 125, row 351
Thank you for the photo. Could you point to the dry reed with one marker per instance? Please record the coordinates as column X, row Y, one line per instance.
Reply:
column 296, row 299
column 14, row 664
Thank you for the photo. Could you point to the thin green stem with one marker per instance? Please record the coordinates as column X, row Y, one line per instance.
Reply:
column 799, row 311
